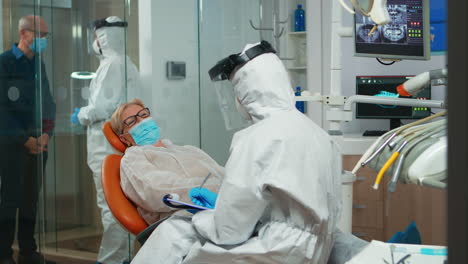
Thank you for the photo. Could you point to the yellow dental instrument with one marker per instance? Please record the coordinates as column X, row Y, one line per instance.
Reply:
column 387, row 165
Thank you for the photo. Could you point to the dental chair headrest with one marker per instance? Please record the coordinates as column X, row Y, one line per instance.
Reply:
column 113, row 138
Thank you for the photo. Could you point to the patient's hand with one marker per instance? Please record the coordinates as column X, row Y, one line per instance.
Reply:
column 159, row 144
column 43, row 140
column 33, row 146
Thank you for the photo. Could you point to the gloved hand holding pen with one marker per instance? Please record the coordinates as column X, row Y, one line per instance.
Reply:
column 203, row 197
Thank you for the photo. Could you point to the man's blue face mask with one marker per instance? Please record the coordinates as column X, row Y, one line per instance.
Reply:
column 145, row 133
column 38, row 45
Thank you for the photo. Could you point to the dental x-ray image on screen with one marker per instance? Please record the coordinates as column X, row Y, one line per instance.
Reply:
column 406, row 36
column 393, row 32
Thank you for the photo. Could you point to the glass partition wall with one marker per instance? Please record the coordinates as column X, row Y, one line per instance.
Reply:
column 68, row 227
column 225, row 27
column 40, row 100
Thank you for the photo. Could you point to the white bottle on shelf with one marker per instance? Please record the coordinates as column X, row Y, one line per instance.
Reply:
column 301, row 52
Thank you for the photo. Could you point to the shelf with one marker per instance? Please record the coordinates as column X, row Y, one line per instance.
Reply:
column 297, row 49
column 308, row 98
column 298, row 34
column 298, row 68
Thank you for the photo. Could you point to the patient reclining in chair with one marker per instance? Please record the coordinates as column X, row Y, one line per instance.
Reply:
column 153, row 167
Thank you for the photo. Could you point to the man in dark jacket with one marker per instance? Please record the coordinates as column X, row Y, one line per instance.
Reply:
column 27, row 113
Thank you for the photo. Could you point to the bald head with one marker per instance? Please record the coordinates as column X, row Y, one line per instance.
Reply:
column 33, row 23
column 30, row 27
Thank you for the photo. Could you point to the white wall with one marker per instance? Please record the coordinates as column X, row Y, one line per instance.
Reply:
column 353, row 66
column 224, row 29
column 187, row 111
column 169, row 32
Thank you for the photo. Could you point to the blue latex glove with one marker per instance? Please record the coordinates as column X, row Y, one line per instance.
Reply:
column 74, row 117
column 203, row 197
column 411, row 235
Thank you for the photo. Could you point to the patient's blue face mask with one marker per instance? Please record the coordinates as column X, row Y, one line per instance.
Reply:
column 145, row 133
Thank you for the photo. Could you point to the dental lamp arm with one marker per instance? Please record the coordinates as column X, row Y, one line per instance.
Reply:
column 420, row 81
column 391, row 101
column 378, row 12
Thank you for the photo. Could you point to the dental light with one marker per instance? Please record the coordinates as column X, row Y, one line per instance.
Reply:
column 421, row 81
column 375, row 9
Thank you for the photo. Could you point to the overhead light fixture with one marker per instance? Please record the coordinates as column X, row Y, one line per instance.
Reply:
column 83, row 75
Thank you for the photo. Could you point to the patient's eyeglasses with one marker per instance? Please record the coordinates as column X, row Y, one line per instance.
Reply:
column 41, row 34
column 131, row 120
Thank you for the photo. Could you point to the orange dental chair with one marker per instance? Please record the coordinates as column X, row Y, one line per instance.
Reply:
column 121, row 207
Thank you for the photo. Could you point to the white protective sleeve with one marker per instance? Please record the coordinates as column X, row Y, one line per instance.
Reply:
column 107, row 91
column 235, row 217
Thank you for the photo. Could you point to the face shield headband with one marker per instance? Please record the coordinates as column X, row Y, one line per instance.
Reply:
column 103, row 23
column 223, row 69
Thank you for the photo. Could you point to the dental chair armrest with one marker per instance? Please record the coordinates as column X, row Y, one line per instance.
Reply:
column 143, row 235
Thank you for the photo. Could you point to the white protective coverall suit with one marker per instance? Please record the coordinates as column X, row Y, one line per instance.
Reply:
column 115, row 76
column 147, row 173
column 280, row 199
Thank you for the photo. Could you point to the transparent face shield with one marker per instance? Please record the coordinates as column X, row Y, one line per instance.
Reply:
column 223, row 70
column 91, row 37
column 233, row 120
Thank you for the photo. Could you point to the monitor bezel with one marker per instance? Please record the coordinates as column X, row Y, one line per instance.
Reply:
column 426, row 40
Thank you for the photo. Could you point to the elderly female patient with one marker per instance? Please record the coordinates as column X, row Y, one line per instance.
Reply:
column 153, row 167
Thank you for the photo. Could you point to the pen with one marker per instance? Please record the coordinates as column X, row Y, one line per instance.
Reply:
column 204, row 180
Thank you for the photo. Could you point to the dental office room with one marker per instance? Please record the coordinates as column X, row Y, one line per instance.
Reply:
column 369, row 166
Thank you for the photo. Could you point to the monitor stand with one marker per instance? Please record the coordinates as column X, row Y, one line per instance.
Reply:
column 394, row 123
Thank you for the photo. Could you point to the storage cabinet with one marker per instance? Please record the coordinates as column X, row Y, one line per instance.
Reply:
column 376, row 215
column 294, row 48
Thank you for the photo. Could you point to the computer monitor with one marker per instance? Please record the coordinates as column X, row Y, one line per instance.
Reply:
column 407, row 36
column 386, row 86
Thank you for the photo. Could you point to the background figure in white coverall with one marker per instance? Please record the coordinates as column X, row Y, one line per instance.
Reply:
column 116, row 74
column 280, row 199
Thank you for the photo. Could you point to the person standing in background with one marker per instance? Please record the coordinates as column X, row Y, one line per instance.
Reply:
column 116, row 74
column 27, row 112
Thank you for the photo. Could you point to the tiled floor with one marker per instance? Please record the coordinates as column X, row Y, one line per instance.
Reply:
column 73, row 246
column 87, row 244
column 65, row 256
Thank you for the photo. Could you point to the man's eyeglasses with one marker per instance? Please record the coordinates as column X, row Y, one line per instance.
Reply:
column 46, row 35
column 131, row 120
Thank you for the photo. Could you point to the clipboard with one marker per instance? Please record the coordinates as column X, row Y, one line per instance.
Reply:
column 169, row 201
